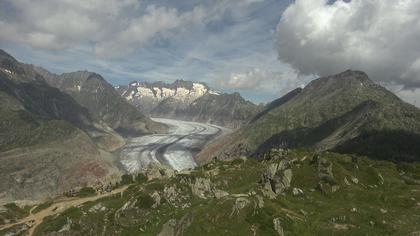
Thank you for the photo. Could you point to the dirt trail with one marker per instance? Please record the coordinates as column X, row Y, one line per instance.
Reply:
column 33, row 220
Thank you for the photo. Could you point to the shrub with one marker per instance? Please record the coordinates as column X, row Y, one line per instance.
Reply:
column 87, row 192
column 126, row 179
column 144, row 201
column 141, row 178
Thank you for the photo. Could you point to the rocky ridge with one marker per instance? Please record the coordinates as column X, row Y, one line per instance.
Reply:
column 55, row 138
column 347, row 113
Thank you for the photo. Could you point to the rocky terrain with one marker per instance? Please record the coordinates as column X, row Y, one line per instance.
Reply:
column 346, row 113
column 287, row 193
column 103, row 102
column 190, row 101
column 52, row 141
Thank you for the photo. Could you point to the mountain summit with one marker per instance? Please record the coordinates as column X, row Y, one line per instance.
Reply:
column 346, row 112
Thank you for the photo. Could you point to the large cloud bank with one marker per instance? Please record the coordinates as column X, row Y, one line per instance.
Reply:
column 113, row 28
column 380, row 37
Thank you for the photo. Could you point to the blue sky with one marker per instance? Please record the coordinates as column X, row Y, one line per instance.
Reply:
column 248, row 46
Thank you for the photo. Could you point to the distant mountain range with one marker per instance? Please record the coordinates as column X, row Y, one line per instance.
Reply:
column 57, row 132
column 345, row 113
column 188, row 100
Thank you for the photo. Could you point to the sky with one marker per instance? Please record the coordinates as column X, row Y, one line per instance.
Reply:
column 260, row 48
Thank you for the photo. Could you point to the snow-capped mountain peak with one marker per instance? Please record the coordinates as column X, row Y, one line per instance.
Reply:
column 185, row 91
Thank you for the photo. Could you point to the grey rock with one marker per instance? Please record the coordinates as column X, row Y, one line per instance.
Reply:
column 297, row 192
column 220, row 193
column 158, row 171
column 240, row 203
column 156, row 198
column 170, row 194
column 176, row 228
column 325, row 171
column 354, row 180
column 260, row 201
column 97, row 208
column 276, row 178
column 202, row 187
column 278, row 227
column 67, row 226
column 346, row 181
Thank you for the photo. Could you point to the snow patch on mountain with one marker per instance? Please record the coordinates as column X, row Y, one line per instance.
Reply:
column 6, row 70
column 183, row 91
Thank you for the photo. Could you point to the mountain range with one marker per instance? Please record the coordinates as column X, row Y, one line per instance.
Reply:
column 192, row 101
column 346, row 113
column 58, row 132
column 339, row 156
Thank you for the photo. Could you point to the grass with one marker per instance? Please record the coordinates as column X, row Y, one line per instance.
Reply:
column 325, row 214
column 43, row 206
column 87, row 192
column 13, row 212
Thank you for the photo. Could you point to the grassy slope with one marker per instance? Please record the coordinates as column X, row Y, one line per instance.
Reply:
column 326, row 213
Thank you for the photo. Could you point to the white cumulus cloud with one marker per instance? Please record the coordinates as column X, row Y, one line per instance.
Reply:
column 265, row 81
column 380, row 37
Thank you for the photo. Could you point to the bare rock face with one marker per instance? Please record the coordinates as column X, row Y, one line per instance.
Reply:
column 240, row 203
column 277, row 178
column 176, row 228
column 202, row 187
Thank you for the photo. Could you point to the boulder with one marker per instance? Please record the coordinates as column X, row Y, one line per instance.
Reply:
column 156, row 198
column 202, row 187
column 278, row 227
column 97, row 208
column 297, row 192
column 220, row 193
column 276, row 178
column 157, row 171
column 354, row 180
column 325, row 171
column 176, row 228
column 240, row 203
column 260, row 201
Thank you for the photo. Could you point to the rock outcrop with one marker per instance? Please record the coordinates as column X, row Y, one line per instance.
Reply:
column 278, row 227
column 176, row 228
column 277, row 178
